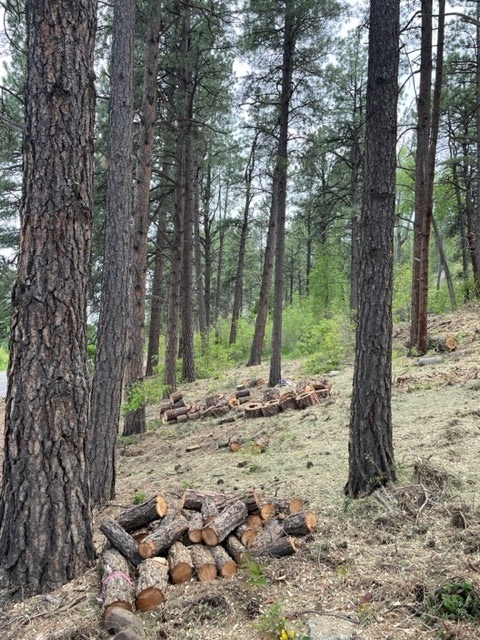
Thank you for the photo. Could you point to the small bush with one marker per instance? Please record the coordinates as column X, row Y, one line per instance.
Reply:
column 325, row 344
column 454, row 600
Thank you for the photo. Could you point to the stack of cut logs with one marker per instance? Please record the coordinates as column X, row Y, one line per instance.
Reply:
column 207, row 535
column 305, row 395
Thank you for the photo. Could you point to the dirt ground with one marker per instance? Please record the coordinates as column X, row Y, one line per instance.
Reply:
column 372, row 561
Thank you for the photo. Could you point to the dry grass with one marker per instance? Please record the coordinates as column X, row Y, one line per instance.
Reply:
column 373, row 561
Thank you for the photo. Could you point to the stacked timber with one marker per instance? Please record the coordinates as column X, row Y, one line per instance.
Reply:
column 205, row 536
column 242, row 404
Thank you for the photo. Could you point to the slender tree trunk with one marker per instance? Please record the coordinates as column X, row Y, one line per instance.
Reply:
column 200, row 283
column 157, row 294
column 462, row 223
column 371, row 444
column 444, row 265
column 355, row 158
column 135, row 420
column 45, row 512
column 112, row 325
column 221, row 246
column 428, row 119
column 280, row 186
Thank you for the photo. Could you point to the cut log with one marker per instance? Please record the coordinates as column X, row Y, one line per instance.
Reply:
column 193, row 447
column 152, row 583
column 140, row 534
column 247, row 535
column 226, row 567
column 182, row 417
column 227, row 420
column 242, row 393
column 235, row 548
column 122, row 541
column 260, row 445
column 195, row 415
column 270, row 506
column 243, row 400
column 179, row 404
column 296, row 505
column 235, row 443
column 279, row 548
column 322, row 394
column 272, row 531
column 171, row 529
column 307, row 399
column 144, row 513
column 253, row 410
column 209, row 510
column 165, row 407
column 254, row 521
column 118, row 588
column 120, row 619
column 288, row 401
column 272, row 393
column 180, row 563
column 203, row 562
column 256, row 382
column 270, row 408
column 176, row 396
column 173, row 414
column 300, row 524
column 212, row 400
column 426, row 361
column 220, row 410
column 223, row 524
column 448, row 343
column 195, row 526
column 193, row 499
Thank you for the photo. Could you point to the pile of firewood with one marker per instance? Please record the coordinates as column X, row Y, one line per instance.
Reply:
column 274, row 401
column 208, row 535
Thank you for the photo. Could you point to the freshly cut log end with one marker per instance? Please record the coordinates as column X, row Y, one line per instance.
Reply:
column 180, row 563
column 152, row 583
column 300, row 524
column 288, row 400
column 170, row 530
column 203, row 562
column 225, row 565
column 195, row 526
column 308, row 399
column 296, row 505
column 142, row 514
column 285, row 546
column 270, row 408
column 247, row 535
column 117, row 586
column 235, row 443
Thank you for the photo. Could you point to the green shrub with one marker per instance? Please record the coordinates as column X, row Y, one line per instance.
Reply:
column 325, row 344
column 3, row 359
column 454, row 600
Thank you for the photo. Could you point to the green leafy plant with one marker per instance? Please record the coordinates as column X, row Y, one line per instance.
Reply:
column 138, row 497
column 273, row 624
column 454, row 600
column 255, row 572
column 143, row 392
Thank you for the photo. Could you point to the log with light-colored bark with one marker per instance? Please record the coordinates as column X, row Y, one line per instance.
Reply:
column 174, row 414
column 270, row 506
column 442, row 344
column 142, row 514
column 193, row 415
column 300, row 524
column 226, row 566
column 195, row 526
column 253, row 410
column 247, row 535
column 176, row 396
column 288, row 400
column 118, row 588
column 272, row 531
column 235, row 548
column 235, row 443
column 254, row 521
column 182, row 417
column 283, row 546
column 307, row 399
column 180, row 563
column 122, row 541
column 203, row 562
column 152, row 583
column 171, row 529
column 223, row 524
column 209, row 510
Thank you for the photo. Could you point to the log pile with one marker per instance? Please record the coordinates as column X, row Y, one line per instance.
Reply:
column 204, row 537
column 241, row 403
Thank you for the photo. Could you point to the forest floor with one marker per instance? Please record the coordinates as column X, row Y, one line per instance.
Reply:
column 373, row 561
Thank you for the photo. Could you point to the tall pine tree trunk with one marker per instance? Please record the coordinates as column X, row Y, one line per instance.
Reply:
column 157, row 294
column 112, row 324
column 371, row 444
column 45, row 512
column 280, row 187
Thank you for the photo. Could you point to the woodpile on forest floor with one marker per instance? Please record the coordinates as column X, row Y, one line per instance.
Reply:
column 242, row 404
column 208, row 535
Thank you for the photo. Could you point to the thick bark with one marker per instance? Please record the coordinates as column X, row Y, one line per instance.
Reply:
column 121, row 541
column 180, row 563
column 45, row 515
column 135, row 420
column 117, row 586
column 200, row 282
column 152, row 583
column 143, row 514
column 112, row 324
column 370, row 446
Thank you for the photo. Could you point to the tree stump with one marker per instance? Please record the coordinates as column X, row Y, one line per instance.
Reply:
column 203, row 562
column 223, row 524
column 270, row 408
column 180, row 563
column 288, row 400
column 253, row 410
column 117, row 586
column 307, row 399
column 152, row 583
column 144, row 513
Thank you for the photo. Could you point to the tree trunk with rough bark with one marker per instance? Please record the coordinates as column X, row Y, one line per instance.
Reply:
column 371, row 443
column 112, row 324
column 45, row 514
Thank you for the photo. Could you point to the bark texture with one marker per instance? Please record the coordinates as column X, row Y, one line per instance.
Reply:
column 112, row 324
column 45, row 516
column 370, row 445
